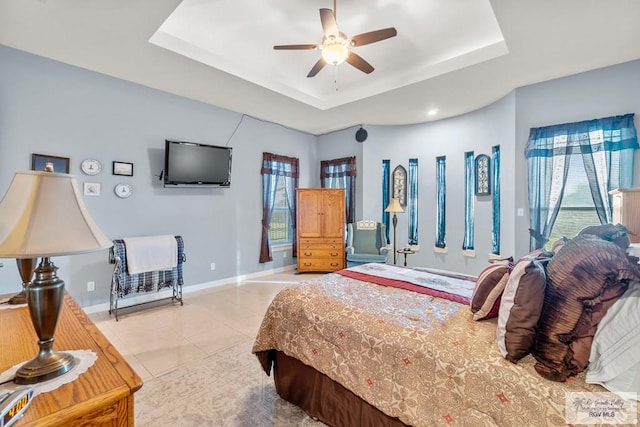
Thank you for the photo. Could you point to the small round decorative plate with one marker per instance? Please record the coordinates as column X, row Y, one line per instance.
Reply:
column 123, row 190
column 91, row 167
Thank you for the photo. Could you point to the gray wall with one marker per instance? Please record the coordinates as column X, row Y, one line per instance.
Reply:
column 604, row 92
column 52, row 108
column 477, row 131
column 337, row 145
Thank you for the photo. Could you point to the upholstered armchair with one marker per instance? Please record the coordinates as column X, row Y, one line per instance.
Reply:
column 366, row 243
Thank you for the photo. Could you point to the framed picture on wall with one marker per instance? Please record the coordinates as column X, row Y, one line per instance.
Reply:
column 91, row 188
column 123, row 168
column 39, row 161
column 399, row 184
column 483, row 175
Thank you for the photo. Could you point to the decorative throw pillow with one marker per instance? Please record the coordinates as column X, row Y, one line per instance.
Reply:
column 485, row 299
column 584, row 278
column 521, row 306
column 367, row 241
column 617, row 234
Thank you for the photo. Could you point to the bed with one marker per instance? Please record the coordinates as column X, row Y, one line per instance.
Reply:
column 352, row 352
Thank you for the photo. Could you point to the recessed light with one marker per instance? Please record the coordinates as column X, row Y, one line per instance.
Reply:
column 432, row 112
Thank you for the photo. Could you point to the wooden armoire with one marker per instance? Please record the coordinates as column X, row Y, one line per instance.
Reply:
column 626, row 210
column 320, row 224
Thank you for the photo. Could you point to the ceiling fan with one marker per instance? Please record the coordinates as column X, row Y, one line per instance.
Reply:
column 336, row 47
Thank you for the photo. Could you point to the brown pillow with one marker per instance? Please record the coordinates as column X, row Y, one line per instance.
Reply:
column 617, row 234
column 520, row 308
column 485, row 300
column 584, row 278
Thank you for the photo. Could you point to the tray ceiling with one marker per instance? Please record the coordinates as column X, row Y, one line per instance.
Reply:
column 449, row 57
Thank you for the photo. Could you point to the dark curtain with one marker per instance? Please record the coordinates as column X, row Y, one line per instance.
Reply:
column 341, row 173
column 413, row 201
column 495, row 200
column 469, row 184
column 274, row 168
column 386, row 197
column 441, row 202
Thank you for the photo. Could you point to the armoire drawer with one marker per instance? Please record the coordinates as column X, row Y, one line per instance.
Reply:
column 320, row 253
column 320, row 264
column 322, row 246
column 321, row 240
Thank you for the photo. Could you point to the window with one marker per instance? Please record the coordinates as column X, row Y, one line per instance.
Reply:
column 495, row 200
column 577, row 209
column 469, row 185
column 280, row 226
column 412, row 201
column 341, row 173
column 279, row 181
column 572, row 167
column 386, row 197
column 441, row 191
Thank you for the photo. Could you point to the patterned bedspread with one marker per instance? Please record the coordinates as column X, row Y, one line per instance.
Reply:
column 413, row 356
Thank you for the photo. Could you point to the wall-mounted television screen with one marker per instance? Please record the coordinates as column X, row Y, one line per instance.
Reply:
column 189, row 164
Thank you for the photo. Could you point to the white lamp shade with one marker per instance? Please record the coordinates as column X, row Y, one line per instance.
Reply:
column 394, row 206
column 43, row 215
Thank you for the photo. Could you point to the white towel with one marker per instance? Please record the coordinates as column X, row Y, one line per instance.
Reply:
column 151, row 253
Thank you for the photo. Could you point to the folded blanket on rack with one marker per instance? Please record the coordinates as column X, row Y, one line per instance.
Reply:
column 151, row 253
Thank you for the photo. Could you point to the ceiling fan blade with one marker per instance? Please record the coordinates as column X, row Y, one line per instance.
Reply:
column 317, row 67
column 296, row 47
column 329, row 24
column 357, row 61
column 373, row 36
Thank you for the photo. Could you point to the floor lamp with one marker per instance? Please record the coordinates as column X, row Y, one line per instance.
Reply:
column 43, row 215
column 394, row 206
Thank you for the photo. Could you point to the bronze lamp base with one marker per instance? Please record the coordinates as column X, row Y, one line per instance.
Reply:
column 46, row 366
column 25, row 267
column 44, row 298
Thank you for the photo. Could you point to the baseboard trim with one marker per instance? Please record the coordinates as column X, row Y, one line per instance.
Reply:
column 230, row 281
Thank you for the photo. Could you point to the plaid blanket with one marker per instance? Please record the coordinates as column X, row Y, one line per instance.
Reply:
column 123, row 283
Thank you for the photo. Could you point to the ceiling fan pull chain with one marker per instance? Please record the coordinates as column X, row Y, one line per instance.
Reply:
column 335, row 78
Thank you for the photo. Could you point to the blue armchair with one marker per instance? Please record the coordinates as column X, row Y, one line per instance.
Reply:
column 366, row 243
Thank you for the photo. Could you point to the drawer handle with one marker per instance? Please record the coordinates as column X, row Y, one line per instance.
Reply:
column 334, row 254
column 334, row 264
column 308, row 253
column 307, row 264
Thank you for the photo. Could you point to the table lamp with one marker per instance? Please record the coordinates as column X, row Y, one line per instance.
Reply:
column 394, row 206
column 43, row 215
column 25, row 268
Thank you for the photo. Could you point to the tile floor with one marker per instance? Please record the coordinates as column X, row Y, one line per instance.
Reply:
column 156, row 340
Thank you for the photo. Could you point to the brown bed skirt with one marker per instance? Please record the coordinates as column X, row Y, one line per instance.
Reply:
column 319, row 396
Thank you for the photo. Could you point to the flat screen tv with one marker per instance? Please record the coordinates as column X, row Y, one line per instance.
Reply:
column 189, row 164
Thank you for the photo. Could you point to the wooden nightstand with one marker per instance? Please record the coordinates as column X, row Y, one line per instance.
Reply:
column 101, row 396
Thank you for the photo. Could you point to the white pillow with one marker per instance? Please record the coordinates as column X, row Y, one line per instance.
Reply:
column 614, row 362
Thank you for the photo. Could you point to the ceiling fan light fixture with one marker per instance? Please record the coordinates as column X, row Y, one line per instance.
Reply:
column 335, row 50
column 335, row 47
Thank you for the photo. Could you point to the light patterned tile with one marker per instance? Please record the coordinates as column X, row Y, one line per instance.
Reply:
column 168, row 358
column 157, row 339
